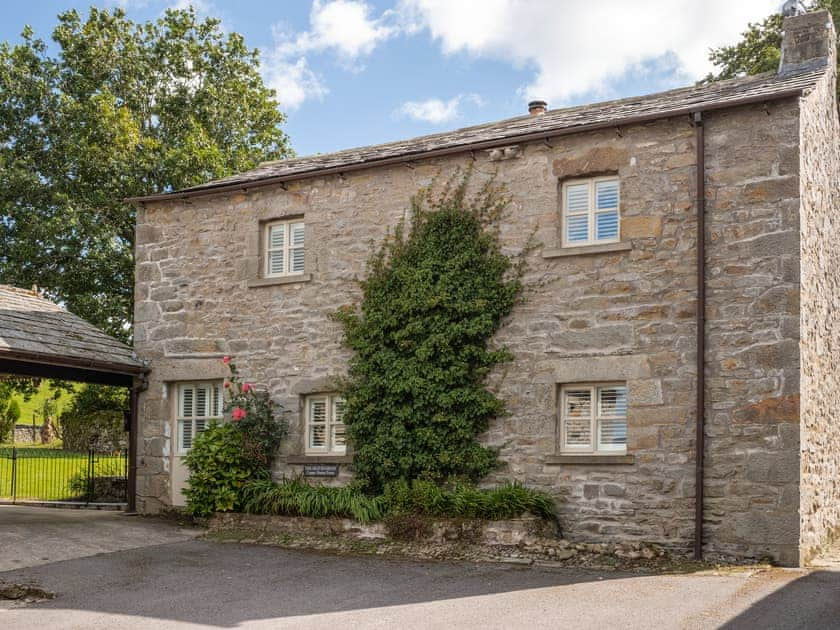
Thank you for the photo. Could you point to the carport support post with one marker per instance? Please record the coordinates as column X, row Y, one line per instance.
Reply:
column 132, row 447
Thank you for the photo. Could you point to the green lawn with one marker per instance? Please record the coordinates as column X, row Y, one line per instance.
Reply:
column 47, row 475
column 36, row 403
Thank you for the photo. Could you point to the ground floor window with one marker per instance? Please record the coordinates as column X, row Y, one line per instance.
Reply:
column 593, row 418
column 198, row 404
column 325, row 431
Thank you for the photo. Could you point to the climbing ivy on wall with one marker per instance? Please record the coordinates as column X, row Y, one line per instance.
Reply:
column 436, row 292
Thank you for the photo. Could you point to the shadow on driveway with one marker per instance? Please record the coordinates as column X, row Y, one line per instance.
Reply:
column 812, row 601
column 235, row 585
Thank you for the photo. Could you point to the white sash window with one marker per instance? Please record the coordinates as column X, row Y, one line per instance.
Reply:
column 283, row 249
column 198, row 404
column 593, row 419
column 325, row 430
column 591, row 211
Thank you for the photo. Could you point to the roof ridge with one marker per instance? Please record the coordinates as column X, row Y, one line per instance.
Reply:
column 628, row 110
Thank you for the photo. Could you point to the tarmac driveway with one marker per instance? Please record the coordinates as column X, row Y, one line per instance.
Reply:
column 30, row 536
column 196, row 583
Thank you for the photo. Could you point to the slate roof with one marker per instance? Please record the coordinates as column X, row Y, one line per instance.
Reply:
column 34, row 329
column 717, row 95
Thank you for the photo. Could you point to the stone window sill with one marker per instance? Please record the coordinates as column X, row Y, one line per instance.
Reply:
column 320, row 459
column 270, row 282
column 606, row 248
column 590, row 460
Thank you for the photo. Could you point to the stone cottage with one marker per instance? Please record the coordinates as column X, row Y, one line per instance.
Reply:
column 629, row 314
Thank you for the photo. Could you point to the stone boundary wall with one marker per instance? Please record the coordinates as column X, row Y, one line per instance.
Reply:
column 820, row 322
column 525, row 540
column 26, row 434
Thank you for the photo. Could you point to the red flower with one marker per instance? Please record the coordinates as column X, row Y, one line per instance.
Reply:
column 226, row 360
column 238, row 414
column 246, row 387
column 227, row 384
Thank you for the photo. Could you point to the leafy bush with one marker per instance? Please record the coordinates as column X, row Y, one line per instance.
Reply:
column 78, row 483
column 297, row 498
column 509, row 500
column 219, row 467
column 96, row 418
column 434, row 297
column 254, row 415
column 421, row 498
column 9, row 416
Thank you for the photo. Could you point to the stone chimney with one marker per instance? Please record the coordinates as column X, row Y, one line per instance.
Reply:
column 536, row 108
column 809, row 42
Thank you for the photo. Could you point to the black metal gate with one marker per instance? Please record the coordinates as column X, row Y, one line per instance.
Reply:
column 55, row 475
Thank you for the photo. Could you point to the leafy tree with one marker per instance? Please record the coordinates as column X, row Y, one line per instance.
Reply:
column 760, row 47
column 9, row 416
column 122, row 109
column 95, row 419
column 434, row 296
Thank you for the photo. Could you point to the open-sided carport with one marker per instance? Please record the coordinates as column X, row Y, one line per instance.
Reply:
column 39, row 338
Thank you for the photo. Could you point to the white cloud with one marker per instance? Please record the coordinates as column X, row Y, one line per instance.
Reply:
column 344, row 26
column 435, row 110
column 577, row 47
column 293, row 80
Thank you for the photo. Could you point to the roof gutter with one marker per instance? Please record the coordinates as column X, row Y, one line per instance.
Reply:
column 71, row 362
column 461, row 148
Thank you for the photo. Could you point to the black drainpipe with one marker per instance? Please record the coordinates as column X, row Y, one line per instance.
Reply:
column 700, row 446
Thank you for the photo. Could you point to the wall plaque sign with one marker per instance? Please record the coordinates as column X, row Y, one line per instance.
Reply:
column 320, row 470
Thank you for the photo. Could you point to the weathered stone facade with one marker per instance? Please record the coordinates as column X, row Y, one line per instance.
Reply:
column 820, row 324
column 624, row 312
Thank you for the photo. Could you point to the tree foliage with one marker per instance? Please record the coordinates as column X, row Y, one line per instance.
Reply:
column 121, row 109
column 95, row 419
column 760, row 47
column 434, row 297
column 9, row 417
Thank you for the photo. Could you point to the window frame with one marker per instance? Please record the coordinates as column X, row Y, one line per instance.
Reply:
column 287, row 248
column 330, row 423
column 594, row 447
column 180, row 418
column 591, row 211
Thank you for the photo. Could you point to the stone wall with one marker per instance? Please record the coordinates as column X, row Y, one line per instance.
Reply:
column 627, row 313
column 27, row 434
column 820, row 324
column 752, row 362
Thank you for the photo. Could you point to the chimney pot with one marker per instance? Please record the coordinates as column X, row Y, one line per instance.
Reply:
column 536, row 108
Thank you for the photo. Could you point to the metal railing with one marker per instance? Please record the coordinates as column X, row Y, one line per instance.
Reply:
column 55, row 475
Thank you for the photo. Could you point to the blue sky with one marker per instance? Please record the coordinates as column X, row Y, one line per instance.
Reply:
column 356, row 72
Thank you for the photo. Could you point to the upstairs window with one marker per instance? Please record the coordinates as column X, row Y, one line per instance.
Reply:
column 325, row 430
column 593, row 419
column 591, row 211
column 198, row 404
column 283, row 248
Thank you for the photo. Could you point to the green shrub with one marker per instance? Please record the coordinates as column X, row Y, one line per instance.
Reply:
column 509, row 500
column 435, row 295
column 95, row 419
column 297, row 498
column 219, row 467
column 255, row 415
column 424, row 499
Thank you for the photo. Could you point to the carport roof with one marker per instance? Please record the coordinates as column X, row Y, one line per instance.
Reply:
column 34, row 330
